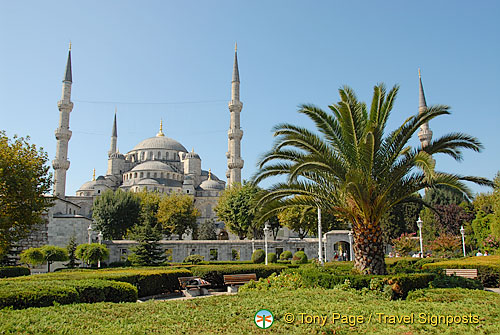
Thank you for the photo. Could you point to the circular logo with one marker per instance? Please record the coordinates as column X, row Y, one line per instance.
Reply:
column 264, row 319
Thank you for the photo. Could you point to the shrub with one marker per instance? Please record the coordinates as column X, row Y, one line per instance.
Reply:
column 300, row 257
column 286, row 255
column 443, row 281
column 446, row 245
column 14, row 271
column 405, row 243
column 194, row 259
column 404, row 283
column 215, row 274
column 447, row 295
column 488, row 268
column 258, row 256
column 92, row 253
column 24, row 294
column 283, row 281
column 271, row 258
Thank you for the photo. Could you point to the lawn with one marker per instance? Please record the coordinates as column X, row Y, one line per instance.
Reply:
column 235, row 314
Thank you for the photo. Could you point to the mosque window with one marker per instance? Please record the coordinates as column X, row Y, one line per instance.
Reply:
column 161, row 174
column 187, row 191
column 150, row 155
column 166, row 155
column 141, row 175
column 154, row 175
column 98, row 191
column 159, row 155
column 142, row 156
column 148, row 175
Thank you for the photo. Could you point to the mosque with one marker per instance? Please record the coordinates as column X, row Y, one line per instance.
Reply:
column 158, row 163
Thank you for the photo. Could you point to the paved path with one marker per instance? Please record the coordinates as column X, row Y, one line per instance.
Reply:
column 496, row 290
column 181, row 296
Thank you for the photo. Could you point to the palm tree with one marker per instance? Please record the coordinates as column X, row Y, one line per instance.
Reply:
column 351, row 169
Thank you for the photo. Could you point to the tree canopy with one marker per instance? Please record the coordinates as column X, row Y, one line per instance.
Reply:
column 115, row 212
column 24, row 179
column 177, row 214
column 353, row 167
column 236, row 208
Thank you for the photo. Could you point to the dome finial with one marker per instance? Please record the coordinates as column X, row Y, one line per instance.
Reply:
column 93, row 175
column 209, row 174
column 160, row 133
column 192, row 150
column 235, row 46
column 70, row 45
column 419, row 73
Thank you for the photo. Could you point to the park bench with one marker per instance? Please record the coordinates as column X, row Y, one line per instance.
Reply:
column 235, row 281
column 466, row 273
column 193, row 286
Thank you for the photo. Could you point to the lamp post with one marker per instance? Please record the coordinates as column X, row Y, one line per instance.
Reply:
column 89, row 230
column 266, row 229
column 320, row 247
column 419, row 224
column 350, row 246
column 99, row 236
column 462, row 231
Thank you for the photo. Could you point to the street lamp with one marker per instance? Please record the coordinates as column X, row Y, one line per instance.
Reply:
column 89, row 230
column 320, row 247
column 350, row 246
column 266, row 229
column 419, row 224
column 99, row 236
column 462, row 231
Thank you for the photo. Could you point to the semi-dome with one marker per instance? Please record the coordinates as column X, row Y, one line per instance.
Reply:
column 153, row 165
column 88, row 186
column 147, row 182
column 210, row 184
column 160, row 142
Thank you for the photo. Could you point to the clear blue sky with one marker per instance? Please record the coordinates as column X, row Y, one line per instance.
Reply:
column 173, row 60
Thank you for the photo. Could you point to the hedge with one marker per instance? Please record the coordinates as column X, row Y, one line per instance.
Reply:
column 147, row 281
column 215, row 274
column 24, row 294
column 14, row 271
column 488, row 268
column 401, row 284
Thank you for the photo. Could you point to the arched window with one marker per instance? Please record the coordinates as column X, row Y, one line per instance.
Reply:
column 141, row 174
column 135, row 174
column 159, row 155
column 142, row 155
column 154, row 175
column 147, row 175
column 166, row 155
column 150, row 155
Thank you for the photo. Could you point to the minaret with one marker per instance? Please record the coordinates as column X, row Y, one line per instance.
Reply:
column 114, row 138
column 63, row 134
column 425, row 134
column 234, row 161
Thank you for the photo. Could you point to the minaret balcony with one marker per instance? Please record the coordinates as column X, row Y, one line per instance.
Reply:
column 235, row 163
column 235, row 134
column 63, row 134
column 64, row 104
column 235, row 106
column 57, row 164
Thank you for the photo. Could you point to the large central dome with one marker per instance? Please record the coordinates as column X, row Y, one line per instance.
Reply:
column 160, row 142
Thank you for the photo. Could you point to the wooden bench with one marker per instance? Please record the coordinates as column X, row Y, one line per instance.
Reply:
column 193, row 286
column 235, row 281
column 466, row 273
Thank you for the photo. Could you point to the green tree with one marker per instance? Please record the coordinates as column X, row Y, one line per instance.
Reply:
column 32, row 256
column 71, row 249
column 115, row 212
column 301, row 219
column 46, row 254
column 206, row 230
column 92, row 253
column 52, row 253
column 24, row 179
column 149, row 204
column 357, row 170
column 148, row 251
column 236, row 208
column 177, row 214
column 405, row 243
column 401, row 219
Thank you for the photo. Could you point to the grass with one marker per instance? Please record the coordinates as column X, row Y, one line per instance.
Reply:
column 234, row 314
column 493, row 261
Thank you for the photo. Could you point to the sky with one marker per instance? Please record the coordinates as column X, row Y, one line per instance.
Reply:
column 173, row 60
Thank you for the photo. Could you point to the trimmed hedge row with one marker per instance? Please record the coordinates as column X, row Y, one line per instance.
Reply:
column 24, row 294
column 401, row 284
column 488, row 268
column 215, row 274
column 14, row 271
column 147, row 281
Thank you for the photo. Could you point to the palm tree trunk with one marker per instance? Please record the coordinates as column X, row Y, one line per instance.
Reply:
column 369, row 250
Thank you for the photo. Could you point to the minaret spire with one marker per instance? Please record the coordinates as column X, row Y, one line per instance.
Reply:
column 234, row 161
column 425, row 134
column 114, row 138
column 63, row 134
